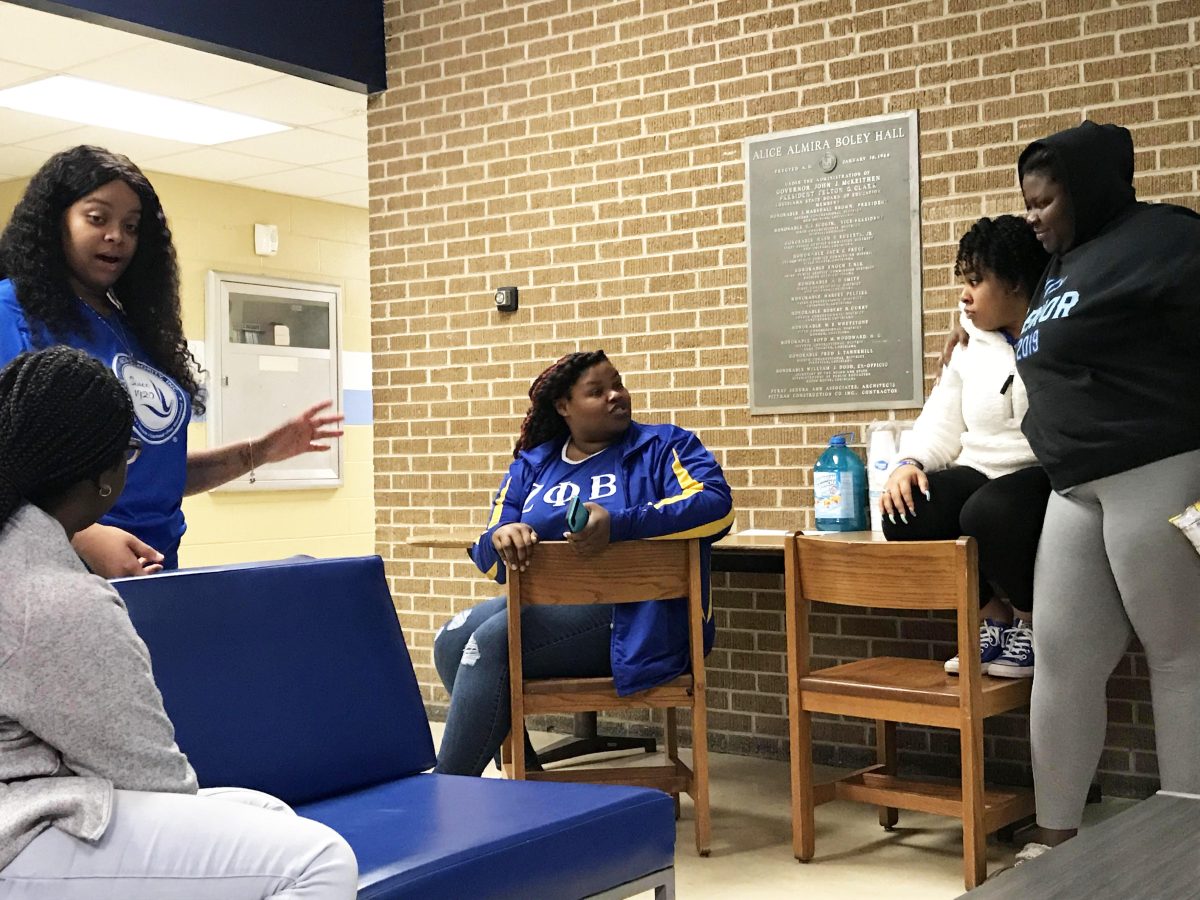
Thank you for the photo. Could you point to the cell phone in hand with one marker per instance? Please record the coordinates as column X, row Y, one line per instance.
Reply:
column 577, row 515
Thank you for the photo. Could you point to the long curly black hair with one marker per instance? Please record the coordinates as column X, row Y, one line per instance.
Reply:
column 32, row 255
column 64, row 418
column 1005, row 246
column 542, row 421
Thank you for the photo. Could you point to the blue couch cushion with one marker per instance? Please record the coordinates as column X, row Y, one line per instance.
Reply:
column 291, row 678
column 448, row 836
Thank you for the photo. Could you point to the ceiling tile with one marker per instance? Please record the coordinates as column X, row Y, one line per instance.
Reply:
column 300, row 146
column 214, row 164
column 354, row 126
column 292, row 101
column 50, row 41
column 18, row 162
column 356, row 166
column 22, row 127
column 173, row 71
column 137, row 147
column 303, row 182
column 350, row 198
column 14, row 73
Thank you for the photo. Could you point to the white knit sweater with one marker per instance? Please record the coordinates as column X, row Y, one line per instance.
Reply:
column 967, row 420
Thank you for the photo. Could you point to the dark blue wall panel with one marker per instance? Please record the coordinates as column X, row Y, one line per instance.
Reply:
column 337, row 42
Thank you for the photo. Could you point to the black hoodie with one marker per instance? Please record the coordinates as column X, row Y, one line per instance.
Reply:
column 1109, row 352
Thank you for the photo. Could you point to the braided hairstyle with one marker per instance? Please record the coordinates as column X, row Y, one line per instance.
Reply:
column 1005, row 246
column 31, row 254
column 64, row 418
column 542, row 421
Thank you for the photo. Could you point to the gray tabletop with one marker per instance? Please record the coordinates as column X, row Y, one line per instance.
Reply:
column 1150, row 851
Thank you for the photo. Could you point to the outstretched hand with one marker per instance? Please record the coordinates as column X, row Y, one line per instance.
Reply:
column 306, row 433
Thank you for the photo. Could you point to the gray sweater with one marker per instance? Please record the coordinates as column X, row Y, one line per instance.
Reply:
column 79, row 711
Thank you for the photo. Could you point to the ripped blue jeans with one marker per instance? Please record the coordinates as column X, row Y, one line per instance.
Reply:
column 471, row 656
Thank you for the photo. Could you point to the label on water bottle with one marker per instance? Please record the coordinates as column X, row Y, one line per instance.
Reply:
column 833, row 495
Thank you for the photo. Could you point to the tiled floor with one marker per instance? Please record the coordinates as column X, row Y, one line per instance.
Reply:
column 752, row 857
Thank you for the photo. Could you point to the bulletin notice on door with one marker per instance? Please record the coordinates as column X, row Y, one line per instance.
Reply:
column 833, row 227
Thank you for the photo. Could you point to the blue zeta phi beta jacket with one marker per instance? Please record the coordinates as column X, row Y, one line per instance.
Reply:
column 667, row 486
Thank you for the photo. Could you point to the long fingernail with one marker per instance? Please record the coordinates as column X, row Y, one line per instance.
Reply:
column 892, row 518
column 903, row 518
column 927, row 497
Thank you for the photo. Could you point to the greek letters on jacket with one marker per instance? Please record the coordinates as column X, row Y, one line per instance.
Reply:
column 668, row 487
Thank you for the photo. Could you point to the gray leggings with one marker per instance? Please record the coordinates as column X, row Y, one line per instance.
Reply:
column 1109, row 565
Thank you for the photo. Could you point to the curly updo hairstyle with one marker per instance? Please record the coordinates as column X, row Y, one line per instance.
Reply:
column 542, row 421
column 64, row 418
column 1005, row 246
column 31, row 254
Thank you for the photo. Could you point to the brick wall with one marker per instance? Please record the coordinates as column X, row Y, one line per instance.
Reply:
column 590, row 152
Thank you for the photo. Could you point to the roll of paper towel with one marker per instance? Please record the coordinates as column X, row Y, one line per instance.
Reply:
column 881, row 450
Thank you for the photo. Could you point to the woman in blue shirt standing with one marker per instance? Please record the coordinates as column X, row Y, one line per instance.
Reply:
column 87, row 260
column 578, row 441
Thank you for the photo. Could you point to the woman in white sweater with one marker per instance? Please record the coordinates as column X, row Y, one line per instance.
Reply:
column 965, row 467
column 96, row 800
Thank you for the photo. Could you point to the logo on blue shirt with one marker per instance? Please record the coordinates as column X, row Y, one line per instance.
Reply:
column 159, row 405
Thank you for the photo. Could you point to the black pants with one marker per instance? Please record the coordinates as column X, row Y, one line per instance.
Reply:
column 1003, row 514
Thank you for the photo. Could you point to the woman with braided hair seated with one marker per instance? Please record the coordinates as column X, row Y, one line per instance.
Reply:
column 966, row 468
column 578, row 441
column 96, row 800
column 87, row 260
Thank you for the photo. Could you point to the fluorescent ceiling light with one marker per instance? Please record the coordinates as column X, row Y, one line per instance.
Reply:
column 95, row 103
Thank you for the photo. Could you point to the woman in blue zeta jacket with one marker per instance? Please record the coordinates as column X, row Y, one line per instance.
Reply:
column 578, row 441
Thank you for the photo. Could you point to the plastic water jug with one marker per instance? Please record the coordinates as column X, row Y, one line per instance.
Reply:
column 840, row 488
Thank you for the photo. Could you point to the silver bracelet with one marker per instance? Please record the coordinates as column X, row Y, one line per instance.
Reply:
column 250, row 450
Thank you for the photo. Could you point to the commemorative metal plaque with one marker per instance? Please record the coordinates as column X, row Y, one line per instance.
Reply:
column 835, row 267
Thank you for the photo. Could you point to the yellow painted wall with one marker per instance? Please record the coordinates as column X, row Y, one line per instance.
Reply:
column 10, row 193
column 213, row 226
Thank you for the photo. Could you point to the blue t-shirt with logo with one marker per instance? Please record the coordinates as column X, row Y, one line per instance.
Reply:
column 595, row 479
column 150, row 505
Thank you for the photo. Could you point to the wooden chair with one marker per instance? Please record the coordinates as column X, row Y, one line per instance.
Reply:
column 858, row 570
column 625, row 572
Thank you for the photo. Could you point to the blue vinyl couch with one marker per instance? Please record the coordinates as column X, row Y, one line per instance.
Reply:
column 293, row 678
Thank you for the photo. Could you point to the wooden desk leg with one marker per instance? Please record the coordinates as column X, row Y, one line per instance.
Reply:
column 885, row 755
column 799, row 719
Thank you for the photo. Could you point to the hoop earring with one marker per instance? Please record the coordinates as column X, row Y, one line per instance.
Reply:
column 106, row 490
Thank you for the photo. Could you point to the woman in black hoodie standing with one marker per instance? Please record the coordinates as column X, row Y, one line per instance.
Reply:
column 1108, row 354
